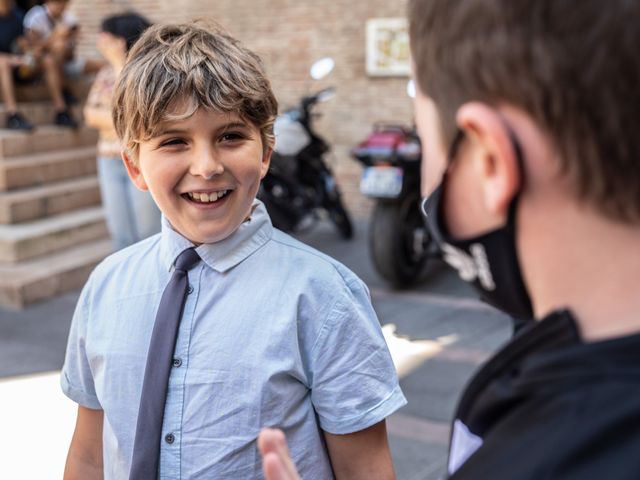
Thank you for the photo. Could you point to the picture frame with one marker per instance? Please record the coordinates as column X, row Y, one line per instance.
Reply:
column 387, row 48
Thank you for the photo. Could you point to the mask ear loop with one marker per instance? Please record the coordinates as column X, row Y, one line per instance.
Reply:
column 453, row 152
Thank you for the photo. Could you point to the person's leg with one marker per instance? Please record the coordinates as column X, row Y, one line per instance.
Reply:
column 54, row 81
column 114, row 184
column 14, row 120
column 6, row 84
column 145, row 212
column 53, row 72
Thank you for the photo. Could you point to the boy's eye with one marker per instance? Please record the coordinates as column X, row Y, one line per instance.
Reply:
column 232, row 136
column 172, row 142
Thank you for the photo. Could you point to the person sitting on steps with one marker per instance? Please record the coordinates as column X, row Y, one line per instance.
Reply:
column 51, row 33
column 11, row 31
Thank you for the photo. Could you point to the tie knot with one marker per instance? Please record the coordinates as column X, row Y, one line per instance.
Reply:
column 187, row 259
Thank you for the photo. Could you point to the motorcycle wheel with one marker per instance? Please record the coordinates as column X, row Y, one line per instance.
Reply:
column 341, row 220
column 395, row 229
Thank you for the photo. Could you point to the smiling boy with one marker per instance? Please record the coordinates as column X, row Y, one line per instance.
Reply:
column 271, row 331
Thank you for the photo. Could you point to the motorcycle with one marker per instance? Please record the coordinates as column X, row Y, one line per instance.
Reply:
column 398, row 239
column 299, row 187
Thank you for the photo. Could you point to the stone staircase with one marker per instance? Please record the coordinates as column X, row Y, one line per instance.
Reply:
column 52, row 227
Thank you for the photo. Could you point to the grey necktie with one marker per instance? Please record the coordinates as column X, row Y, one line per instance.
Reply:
column 146, row 448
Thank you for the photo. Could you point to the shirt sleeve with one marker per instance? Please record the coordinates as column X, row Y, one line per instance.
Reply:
column 354, row 384
column 36, row 19
column 76, row 378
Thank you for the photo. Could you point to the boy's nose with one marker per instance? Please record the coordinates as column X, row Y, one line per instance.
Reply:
column 206, row 164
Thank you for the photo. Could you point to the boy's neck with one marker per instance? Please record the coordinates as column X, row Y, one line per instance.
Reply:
column 582, row 261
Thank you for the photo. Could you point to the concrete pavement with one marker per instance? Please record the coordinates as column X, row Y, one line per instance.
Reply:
column 441, row 336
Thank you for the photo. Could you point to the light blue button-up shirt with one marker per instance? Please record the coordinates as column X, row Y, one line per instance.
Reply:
column 274, row 333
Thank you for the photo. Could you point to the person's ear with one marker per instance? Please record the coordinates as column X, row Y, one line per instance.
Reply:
column 134, row 172
column 495, row 160
column 266, row 161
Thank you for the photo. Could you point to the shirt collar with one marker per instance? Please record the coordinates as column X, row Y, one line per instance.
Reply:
column 225, row 254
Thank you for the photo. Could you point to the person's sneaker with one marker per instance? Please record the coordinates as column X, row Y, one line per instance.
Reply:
column 64, row 119
column 15, row 121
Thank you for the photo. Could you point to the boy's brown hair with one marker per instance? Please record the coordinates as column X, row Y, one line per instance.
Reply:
column 573, row 66
column 197, row 63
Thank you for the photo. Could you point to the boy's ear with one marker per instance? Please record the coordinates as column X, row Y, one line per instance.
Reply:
column 266, row 161
column 134, row 172
column 493, row 155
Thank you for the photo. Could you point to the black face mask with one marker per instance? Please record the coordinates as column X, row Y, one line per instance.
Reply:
column 489, row 261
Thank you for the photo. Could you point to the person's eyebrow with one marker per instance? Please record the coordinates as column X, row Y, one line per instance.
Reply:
column 171, row 130
column 232, row 125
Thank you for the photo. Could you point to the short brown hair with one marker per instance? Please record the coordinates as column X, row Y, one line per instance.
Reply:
column 199, row 63
column 573, row 66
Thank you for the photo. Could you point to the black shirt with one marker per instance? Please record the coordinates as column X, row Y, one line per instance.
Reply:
column 10, row 29
column 549, row 406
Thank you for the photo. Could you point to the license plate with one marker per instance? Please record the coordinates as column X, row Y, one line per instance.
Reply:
column 381, row 182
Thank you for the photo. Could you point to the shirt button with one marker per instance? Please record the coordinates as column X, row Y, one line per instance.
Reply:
column 189, row 290
column 169, row 438
column 177, row 362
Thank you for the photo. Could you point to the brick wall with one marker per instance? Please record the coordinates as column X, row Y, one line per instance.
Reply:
column 290, row 35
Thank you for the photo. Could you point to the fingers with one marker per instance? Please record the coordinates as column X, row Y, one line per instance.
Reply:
column 276, row 459
column 273, row 468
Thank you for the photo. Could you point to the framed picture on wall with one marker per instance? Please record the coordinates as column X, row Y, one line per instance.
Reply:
column 388, row 47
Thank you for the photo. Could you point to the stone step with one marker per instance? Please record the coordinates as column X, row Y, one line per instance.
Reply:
column 42, row 168
column 44, row 139
column 47, row 235
column 38, row 92
column 38, row 113
column 43, row 201
column 45, row 277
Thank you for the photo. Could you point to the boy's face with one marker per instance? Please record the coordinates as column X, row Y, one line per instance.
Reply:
column 203, row 172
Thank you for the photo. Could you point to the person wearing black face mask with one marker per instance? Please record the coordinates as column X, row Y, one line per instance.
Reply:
column 538, row 205
column 488, row 261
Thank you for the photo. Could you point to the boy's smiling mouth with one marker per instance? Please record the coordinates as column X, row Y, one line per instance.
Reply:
column 206, row 197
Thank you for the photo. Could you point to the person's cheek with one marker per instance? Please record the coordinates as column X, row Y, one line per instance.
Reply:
column 433, row 152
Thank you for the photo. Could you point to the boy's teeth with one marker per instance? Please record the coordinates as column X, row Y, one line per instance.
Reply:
column 207, row 198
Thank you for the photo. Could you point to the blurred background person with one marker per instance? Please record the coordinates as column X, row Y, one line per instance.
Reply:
column 11, row 38
column 131, row 213
column 52, row 32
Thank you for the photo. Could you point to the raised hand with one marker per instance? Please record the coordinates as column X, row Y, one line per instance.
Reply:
column 276, row 460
